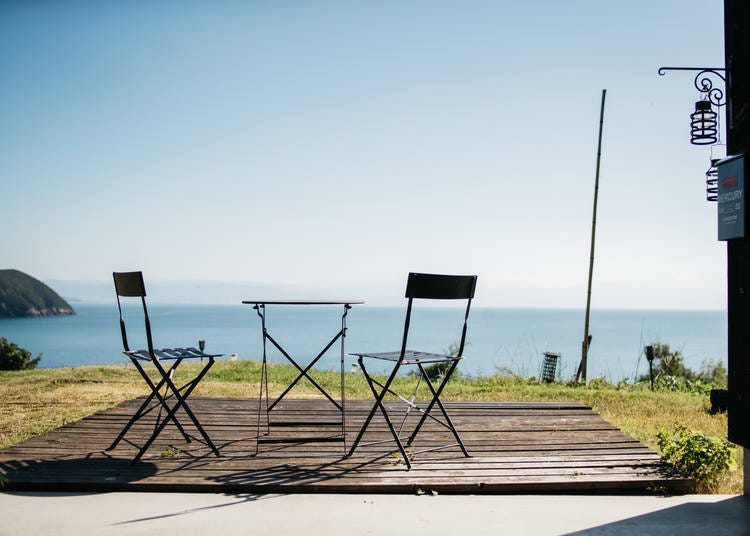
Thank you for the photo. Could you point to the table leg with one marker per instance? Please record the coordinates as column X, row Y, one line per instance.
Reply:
column 303, row 373
column 343, row 377
column 261, row 310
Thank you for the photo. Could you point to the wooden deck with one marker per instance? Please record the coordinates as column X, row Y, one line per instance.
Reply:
column 515, row 447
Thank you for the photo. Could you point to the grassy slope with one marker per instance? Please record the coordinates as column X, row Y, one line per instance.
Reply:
column 35, row 401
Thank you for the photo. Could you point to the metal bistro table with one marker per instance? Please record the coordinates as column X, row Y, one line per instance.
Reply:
column 303, row 372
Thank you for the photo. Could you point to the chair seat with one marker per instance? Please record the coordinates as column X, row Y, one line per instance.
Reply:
column 171, row 353
column 411, row 357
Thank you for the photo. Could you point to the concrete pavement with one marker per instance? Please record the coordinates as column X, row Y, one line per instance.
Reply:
column 333, row 515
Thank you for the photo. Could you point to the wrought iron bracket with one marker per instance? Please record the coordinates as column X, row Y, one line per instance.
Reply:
column 705, row 82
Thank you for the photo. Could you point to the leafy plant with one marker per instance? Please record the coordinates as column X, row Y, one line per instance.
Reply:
column 437, row 370
column 171, row 452
column 714, row 372
column 670, row 363
column 684, row 385
column 699, row 456
column 599, row 383
column 13, row 357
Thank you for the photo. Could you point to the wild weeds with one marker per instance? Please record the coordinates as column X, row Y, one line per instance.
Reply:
column 705, row 459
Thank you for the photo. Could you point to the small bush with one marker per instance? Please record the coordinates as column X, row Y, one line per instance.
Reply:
column 670, row 363
column 599, row 383
column 695, row 454
column 437, row 371
column 714, row 372
column 13, row 357
column 671, row 374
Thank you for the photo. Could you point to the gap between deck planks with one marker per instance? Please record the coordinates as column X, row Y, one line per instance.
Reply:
column 514, row 447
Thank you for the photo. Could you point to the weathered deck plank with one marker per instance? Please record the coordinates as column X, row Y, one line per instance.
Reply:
column 515, row 447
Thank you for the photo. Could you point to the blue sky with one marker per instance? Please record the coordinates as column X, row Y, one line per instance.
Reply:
column 327, row 148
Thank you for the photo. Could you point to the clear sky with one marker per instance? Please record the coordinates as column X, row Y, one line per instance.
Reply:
column 333, row 146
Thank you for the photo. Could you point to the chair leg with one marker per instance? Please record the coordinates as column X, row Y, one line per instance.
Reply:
column 436, row 400
column 182, row 402
column 410, row 405
column 142, row 409
column 163, row 400
column 379, row 405
column 172, row 410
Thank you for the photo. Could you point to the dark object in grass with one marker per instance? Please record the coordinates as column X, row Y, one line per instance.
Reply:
column 719, row 400
column 549, row 367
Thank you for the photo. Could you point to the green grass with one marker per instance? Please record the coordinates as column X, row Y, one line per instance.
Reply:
column 36, row 401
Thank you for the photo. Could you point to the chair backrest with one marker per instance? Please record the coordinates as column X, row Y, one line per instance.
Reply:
column 131, row 285
column 439, row 287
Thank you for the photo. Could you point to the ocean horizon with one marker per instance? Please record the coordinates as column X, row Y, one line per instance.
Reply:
column 499, row 340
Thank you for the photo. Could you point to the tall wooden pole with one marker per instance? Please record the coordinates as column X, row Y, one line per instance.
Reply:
column 737, row 63
column 581, row 374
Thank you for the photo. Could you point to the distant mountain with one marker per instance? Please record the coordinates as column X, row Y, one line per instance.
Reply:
column 22, row 295
column 201, row 292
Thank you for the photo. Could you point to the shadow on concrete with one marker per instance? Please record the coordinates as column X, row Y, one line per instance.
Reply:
column 232, row 500
column 730, row 517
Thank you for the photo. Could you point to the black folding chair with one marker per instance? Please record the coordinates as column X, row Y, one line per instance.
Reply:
column 130, row 285
column 431, row 287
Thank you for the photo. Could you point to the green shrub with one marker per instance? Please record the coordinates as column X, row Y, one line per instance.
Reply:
column 13, row 357
column 669, row 363
column 437, row 371
column 695, row 454
column 714, row 372
column 599, row 383
column 678, row 384
column 671, row 374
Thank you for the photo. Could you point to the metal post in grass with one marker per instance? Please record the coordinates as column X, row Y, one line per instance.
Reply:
column 650, row 358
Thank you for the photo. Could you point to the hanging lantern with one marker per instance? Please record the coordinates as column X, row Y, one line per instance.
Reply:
column 703, row 124
column 712, row 181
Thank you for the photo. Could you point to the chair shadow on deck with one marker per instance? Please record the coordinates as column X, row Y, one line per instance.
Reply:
column 277, row 473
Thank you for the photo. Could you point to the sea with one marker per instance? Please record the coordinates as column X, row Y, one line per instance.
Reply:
column 498, row 340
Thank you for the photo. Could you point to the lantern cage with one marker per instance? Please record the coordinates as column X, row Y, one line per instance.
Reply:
column 703, row 124
column 712, row 181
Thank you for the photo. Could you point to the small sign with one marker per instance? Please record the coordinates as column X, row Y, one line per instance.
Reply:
column 731, row 183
